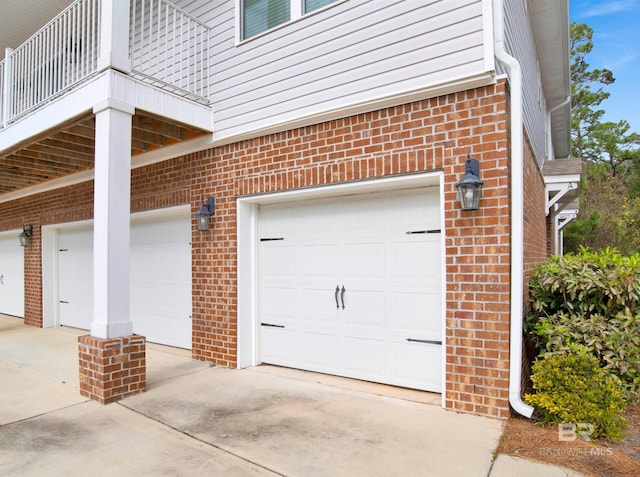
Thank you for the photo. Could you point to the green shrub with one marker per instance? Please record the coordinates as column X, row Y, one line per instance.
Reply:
column 587, row 283
column 590, row 302
column 573, row 388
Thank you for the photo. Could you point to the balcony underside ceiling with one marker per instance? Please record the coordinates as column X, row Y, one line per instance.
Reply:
column 70, row 149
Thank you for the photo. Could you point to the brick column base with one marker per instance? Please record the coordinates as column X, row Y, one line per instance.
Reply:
column 111, row 369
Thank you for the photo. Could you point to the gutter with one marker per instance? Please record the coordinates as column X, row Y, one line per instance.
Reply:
column 550, row 155
column 514, row 74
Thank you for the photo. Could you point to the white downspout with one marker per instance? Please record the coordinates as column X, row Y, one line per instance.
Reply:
column 514, row 73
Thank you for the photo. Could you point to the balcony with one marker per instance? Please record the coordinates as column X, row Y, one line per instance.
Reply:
column 148, row 54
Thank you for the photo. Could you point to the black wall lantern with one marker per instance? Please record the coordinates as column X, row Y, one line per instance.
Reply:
column 25, row 236
column 470, row 185
column 203, row 216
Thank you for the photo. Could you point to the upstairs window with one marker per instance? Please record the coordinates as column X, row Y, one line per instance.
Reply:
column 261, row 15
column 312, row 5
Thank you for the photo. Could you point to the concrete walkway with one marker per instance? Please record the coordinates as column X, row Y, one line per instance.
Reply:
column 195, row 419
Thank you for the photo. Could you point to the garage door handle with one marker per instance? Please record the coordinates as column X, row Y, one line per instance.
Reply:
column 342, row 296
column 62, row 301
column 336, row 297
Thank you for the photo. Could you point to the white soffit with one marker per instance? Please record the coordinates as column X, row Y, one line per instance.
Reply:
column 550, row 19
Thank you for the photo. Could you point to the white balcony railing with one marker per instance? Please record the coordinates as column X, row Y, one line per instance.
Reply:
column 58, row 56
column 2, row 92
column 167, row 47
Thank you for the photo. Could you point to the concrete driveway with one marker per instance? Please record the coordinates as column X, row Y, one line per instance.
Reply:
column 200, row 420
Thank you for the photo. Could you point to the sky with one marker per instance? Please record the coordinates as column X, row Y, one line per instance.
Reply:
column 616, row 39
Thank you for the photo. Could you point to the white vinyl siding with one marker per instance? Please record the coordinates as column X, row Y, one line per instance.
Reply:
column 521, row 45
column 348, row 55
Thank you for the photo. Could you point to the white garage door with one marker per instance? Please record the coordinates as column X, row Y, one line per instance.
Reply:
column 160, row 277
column 11, row 275
column 352, row 286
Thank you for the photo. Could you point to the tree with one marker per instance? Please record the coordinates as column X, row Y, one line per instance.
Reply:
column 610, row 193
column 584, row 101
column 608, row 216
column 612, row 144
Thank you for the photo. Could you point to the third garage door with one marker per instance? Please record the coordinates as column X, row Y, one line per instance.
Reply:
column 352, row 286
column 11, row 274
column 160, row 276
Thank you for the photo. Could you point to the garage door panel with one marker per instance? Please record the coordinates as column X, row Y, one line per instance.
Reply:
column 364, row 260
column 407, row 210
column 416, row 311
column 173, row 332
column 150, row 232
column 365, row 223
column 276, row 344
column 157, row 261
column 417, row 365
column 392, row 283
column 370, row 306
column 11, row 275
column 75, row 285
column 311, row 349
column 318, row 350
column 366, row 356
column 75, row 279
column 273, row 300
column 277, row 261
column 415, row 261
column 319, row 260
column 151, row 296
column 317, row 304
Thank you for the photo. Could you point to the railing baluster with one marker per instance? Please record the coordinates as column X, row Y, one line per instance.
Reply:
column 2, row 95
column 82, row 41
column 7, row 81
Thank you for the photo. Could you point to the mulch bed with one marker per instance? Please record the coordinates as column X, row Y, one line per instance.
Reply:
column 602, row 458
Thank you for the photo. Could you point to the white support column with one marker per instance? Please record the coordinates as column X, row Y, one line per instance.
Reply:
column 114, row 36
column 555, row 232
column 7, row 96
column 112, row 193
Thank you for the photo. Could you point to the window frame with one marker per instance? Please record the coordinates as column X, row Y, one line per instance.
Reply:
column 297, row 14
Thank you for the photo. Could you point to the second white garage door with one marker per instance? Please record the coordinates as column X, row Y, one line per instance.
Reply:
column 160, row 277
column 11, row 274
column 352, row 286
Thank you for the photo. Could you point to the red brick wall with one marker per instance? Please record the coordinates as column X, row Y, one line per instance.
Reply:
column 429, row 135
column 535, row 220
column 536, row 241
column 478, row 280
